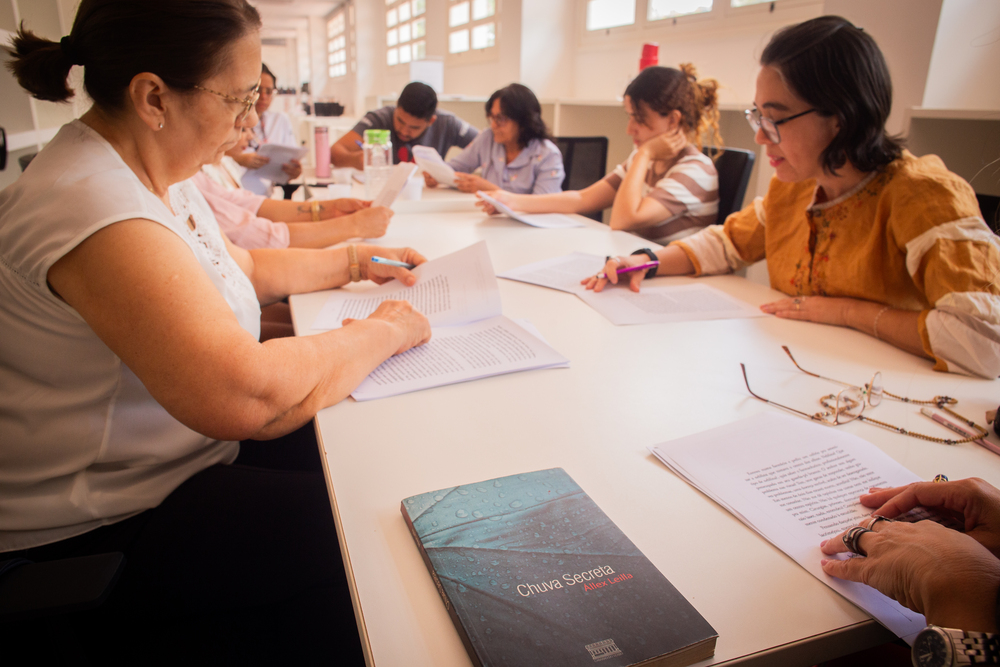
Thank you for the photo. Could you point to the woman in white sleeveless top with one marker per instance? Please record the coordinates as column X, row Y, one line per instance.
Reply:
column 130, row 361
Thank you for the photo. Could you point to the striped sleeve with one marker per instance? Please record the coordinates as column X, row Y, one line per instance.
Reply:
column 729, row 247
column 957, row 264
column 617, row 175
column 689, row 191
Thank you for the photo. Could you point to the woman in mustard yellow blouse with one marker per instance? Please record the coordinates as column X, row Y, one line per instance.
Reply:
column 859, row 232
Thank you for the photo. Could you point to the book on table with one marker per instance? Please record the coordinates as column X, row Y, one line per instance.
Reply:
column 532, row 572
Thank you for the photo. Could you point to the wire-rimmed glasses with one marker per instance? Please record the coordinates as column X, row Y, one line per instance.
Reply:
column 247, row 101
column 770, row 127
column 840, row 408
column 849, row 404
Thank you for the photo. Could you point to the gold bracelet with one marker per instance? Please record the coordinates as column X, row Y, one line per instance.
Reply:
column 315, row 210
column 352, row 258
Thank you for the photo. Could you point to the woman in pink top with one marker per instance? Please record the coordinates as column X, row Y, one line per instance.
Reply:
column 253, row 221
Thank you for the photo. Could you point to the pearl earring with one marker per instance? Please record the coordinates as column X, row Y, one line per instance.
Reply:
column 161, row 126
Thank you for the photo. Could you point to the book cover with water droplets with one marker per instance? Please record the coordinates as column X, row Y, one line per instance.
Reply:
column 532, row 572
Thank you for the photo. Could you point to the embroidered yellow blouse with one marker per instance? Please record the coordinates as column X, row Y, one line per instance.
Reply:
column 909, row 236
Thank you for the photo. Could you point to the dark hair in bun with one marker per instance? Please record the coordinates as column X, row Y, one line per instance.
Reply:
column 184, row 42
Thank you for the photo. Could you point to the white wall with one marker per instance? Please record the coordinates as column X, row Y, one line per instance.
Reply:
column 724, row 45
column 548, row 41
column 965, row 65
column 904, row 30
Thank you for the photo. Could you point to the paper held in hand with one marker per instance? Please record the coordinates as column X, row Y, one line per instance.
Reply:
column 431, row 161
column 471, row 339
column 544, row 220
column 795, row 483
column 279, row 155
column 397, row 181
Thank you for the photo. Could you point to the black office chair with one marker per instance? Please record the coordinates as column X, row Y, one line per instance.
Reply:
column 25, row 160
column 585, row 160
column 734, row 166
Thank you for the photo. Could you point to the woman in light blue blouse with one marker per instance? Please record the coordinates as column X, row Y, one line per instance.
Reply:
column 515, row 153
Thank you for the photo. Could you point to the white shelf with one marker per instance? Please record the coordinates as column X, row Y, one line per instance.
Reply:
column 955, row 114
column 19, row 140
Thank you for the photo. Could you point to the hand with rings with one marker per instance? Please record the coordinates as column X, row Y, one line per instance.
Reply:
column 972, row 503
column 933, row 570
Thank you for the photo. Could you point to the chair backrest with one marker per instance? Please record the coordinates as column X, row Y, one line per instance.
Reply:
column 585, row 160
column 25, row 160
column 734, row 166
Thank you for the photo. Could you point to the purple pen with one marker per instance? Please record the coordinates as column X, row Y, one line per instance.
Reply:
column 630, row 269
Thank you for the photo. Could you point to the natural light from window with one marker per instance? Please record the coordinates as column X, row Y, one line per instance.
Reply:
column 336, row 45
column 406, row 27
column 604, row 14
column 666, row 9
column 476, row 23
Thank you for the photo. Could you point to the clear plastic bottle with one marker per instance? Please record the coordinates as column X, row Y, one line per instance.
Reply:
column 378, row 161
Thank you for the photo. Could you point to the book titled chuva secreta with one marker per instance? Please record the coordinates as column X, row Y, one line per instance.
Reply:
column 534, row 573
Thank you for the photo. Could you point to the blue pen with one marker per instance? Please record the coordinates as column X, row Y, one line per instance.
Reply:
column 392, row 262
column 360, row 145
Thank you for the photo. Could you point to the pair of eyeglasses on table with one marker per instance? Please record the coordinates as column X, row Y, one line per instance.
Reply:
column 848, row 404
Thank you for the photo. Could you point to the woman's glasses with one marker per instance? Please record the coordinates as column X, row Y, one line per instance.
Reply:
column 499, row 118
column 770, row 127
column 849, row 404
column 247, row 102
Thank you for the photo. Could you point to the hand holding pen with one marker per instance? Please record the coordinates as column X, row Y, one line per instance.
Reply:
column 389, row 263
column 635, row 266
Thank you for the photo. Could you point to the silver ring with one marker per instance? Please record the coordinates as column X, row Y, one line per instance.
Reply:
column 874, row 519
column 798, row 302
column 852, row 538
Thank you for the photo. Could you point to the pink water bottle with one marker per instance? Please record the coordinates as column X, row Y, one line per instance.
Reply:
column 322, row 139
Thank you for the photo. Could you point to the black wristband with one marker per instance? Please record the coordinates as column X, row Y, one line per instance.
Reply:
column 652, row 257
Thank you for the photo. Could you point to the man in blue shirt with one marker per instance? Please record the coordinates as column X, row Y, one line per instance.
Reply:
column 414, row 121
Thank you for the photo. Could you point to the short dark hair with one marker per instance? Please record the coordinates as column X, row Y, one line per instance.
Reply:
column 264, row 70
column 184, row 42
column 839, row 70
column 665, row 89
column 419, row 100
column 518, row 103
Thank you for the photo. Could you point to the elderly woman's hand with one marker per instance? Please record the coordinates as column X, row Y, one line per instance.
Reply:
column 822, row 309
column 371, row 223
column 945, row 575
column 610, row 271
column 972, row 502
column 410, row 325
column 472, row 183
column 347, row 205
column 383, row 273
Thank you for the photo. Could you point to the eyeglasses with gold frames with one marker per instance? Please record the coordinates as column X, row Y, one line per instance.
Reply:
column 247, row 101
column 849, row 404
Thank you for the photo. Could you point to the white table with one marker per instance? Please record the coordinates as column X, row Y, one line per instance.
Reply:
column 627, row 388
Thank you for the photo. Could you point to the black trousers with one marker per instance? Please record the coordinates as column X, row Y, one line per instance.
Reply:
column 239, row 565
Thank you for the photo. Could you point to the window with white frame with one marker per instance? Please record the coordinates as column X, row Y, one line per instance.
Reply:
column 472, row 25
column 605, row 14
column 405, row 31
column 667, row 9
column 336, row 45
column 744, row 3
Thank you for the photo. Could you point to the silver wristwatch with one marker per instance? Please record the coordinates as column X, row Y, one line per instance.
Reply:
column 945, row 647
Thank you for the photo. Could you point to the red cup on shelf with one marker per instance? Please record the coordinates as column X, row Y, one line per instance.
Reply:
column 650, row 55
